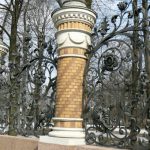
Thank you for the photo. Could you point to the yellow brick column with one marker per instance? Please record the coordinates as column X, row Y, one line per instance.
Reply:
column 74, row 22
column 71, row 64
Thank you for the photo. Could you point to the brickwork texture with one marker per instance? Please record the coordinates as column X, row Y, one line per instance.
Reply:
column 70, row 81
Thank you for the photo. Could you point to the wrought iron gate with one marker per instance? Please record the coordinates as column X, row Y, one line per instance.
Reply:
column 116, row 103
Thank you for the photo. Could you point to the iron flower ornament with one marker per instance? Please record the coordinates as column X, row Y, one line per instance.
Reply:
column 122, row 6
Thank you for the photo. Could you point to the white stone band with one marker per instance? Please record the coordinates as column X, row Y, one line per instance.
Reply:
column 67, row 119
column 68, row 129
column 62, row 140
column 73, row 39
column 74, row 14
column 72, row 55
column 67, row 134
column 74, row 3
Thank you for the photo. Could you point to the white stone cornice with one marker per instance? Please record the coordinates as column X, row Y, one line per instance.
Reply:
column 74, row 14
column 73, row 38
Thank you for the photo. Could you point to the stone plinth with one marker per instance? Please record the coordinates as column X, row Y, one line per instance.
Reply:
column 22, row 143
column 18, row 143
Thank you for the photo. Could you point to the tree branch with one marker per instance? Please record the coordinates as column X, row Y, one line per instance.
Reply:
column 3, row 29
column 5, row 7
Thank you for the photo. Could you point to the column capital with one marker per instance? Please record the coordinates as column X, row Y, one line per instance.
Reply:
column 75, row 12
column 64, row 15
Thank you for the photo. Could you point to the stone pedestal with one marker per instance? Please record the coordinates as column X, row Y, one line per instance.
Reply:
column 74, row 23
column 65, row 136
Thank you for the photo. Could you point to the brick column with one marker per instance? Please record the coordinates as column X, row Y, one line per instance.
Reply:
column 74, row 23
column 71, row 66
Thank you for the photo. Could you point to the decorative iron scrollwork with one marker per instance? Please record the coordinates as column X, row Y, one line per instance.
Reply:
column 116, row 104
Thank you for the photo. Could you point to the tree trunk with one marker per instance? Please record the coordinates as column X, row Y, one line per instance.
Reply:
column 147, row 60
column 146, row 41
column 135, row 73
column 38, row 81
column 14, row 61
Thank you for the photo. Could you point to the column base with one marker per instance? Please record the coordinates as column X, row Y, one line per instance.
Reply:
column 65, row 136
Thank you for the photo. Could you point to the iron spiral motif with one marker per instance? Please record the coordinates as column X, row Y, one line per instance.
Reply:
column 114, row 115
column 106, row 79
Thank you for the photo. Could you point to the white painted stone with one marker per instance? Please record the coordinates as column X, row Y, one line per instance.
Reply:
column 65, row 136
column 68, row 129
column 73, row 39
column 72, row 55
column 74, row 4
column 67, row 119
column 67, row 132
column 74, row 14
column 62, row 141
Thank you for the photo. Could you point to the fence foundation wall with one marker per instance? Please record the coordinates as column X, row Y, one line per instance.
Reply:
column 22, row 143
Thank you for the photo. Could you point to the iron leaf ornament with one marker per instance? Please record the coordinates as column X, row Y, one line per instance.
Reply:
column 114, row 18
column 104, row 27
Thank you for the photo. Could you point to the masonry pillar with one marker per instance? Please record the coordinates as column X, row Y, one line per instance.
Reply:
column 74, row 22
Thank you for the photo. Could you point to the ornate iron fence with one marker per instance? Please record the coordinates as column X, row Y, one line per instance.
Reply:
column 34, row 114
column 116, row 103
column 25, row 122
